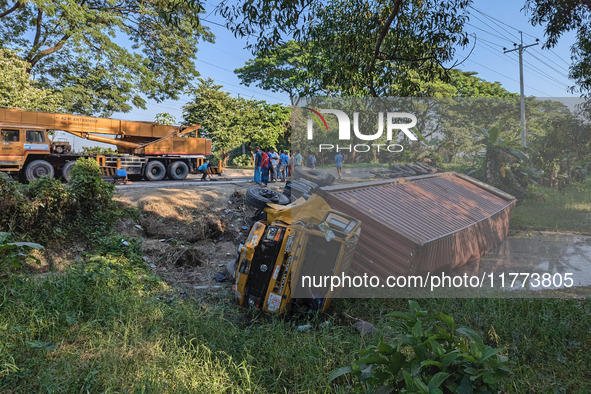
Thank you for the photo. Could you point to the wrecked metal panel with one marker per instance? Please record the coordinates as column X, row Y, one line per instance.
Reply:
column 423, row 223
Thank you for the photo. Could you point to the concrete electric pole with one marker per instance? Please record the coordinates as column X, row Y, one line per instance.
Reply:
column 521, row 48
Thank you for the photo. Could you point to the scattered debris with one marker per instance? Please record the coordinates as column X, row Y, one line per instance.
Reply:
column 304, row 327
column 207, row 287
column 220, row 277
column 365, row 328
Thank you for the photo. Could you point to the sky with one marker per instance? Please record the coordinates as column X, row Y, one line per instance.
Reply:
column 496, row 24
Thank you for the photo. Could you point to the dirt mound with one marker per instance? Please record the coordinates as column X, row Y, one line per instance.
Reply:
column 166, row 254
column 190, row 228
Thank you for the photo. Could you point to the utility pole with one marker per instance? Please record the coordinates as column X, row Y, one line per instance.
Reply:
column 521, row 48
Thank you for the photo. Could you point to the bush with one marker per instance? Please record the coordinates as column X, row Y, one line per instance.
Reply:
column 48, row 211
column 92, row 197
column 14, row 254
column 243, row 161
column 429, row 353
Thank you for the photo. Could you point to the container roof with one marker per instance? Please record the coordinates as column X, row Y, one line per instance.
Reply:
column 423, row 208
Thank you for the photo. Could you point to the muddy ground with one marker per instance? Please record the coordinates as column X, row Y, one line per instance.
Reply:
column 190, row 233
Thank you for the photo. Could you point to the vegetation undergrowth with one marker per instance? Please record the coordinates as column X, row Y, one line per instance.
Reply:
column 107, row 323
column 50, row 212
column 549, row 209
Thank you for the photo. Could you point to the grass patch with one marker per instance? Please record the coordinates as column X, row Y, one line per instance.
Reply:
column 108, row 324
column 555, row 210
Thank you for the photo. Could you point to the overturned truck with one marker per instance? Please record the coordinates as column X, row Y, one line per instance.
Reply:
column 402, row 226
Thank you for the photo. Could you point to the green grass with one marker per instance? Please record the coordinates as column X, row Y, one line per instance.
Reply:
column 108, row 324
column 563, row 210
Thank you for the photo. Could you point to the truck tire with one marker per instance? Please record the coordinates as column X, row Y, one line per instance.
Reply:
column 155, row 171
column 259, row 197
column 178, row 170
column 313, row 176
column 67, row 171
column 37, row 169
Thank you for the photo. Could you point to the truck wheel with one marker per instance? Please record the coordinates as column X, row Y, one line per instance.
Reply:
column 155, row 171
column 37, row 169
column 259, row 197
column 178, row 170
column 67, row 170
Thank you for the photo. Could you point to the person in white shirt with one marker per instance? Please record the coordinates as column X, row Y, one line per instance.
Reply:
column 274, row 167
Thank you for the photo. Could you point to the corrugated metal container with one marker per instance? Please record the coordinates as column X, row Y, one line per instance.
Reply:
column 424, row 223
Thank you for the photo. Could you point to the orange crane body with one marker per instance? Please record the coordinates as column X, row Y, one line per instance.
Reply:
column 150, row 150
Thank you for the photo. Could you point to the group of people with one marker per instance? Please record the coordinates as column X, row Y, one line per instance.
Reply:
column 271, row 166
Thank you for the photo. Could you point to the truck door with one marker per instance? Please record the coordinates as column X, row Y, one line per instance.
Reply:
column 35, row 141
column 11, row 148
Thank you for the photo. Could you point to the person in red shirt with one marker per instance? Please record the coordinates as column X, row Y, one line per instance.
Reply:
column 265, row 163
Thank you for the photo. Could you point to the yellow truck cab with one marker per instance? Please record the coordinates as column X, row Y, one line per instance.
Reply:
column 303, row 237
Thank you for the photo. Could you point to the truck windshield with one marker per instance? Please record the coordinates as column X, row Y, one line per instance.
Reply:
column 9, row 135
column 35, row 136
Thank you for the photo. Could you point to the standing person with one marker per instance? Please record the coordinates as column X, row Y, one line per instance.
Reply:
column 298, row 160
column 290, row 166
column 258, row 157
column 311, row 163
column 283, row 162
column 265, row 162
column 339, row 163
column 274, row 168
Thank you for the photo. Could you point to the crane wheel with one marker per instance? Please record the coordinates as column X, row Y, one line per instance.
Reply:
column 37, row 169
column 155, row 171
column 67, row 170
column 178, row 170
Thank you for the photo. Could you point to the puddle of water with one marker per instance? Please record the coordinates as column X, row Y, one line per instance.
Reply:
column 555, row 254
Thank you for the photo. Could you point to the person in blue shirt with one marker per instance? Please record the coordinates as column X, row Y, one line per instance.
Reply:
column 339, row 163
column 283, row 163
column 258, row 158
column 204, row 169
column 120, row 175
column 311, row 163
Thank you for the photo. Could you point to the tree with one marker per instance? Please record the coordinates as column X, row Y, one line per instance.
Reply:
column 364, row 47
column 559, row 17
column 285, row 68
column 103, row 55
column 502, row 149
column 217, row 113
column 17, row 90
column 231, row 121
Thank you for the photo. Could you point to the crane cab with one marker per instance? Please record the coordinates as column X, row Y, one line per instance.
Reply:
column 16, row 144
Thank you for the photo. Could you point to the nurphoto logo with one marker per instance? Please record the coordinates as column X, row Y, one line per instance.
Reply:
column 393, row 121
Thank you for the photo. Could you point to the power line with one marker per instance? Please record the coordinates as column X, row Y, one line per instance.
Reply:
column 485, row 31
column 547, row 77
column 508, row 77
column 238, row 86
column 550, row 67
column 490, row 27
column 497, row 21
column 544, row 75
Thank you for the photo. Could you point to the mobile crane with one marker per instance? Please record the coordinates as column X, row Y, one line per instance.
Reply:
column 145, row 149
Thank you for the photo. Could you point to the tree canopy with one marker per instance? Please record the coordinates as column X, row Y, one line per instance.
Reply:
column 559, row 17
column 231, row 121
column 106, row 56
column 356, row 48
column 17, row 90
